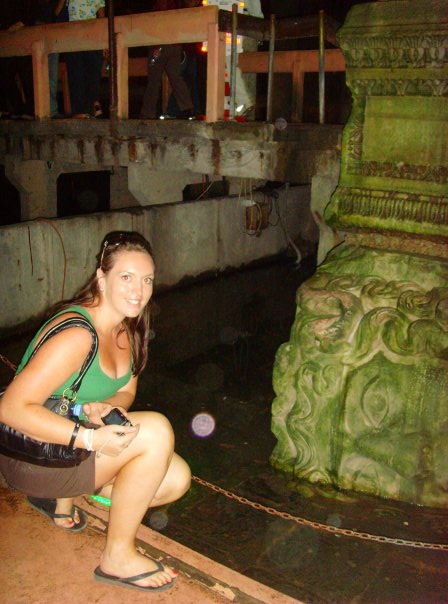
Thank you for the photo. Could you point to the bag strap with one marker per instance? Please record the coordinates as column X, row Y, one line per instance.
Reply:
column 66, row 324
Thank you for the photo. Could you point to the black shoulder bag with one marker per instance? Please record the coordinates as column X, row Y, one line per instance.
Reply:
column 18, row 445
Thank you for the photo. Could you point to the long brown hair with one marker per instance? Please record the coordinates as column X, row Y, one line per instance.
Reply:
column 137, row 328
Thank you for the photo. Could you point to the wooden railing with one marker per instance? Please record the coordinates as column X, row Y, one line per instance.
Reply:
column 295, row 62
column 205, row 24
column 147, row 29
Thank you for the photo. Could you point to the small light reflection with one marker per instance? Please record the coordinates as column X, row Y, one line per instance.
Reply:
column 334, row 520
column 158, row 520
column 203, row 425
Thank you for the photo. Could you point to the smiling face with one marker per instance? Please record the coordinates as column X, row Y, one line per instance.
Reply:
column 127, row 287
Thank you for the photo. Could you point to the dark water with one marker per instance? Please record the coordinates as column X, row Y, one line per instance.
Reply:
column 212, row 359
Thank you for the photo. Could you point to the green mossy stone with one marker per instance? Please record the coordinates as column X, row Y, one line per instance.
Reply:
column 362, row 385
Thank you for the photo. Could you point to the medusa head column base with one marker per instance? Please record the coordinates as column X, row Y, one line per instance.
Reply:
column 361, row 386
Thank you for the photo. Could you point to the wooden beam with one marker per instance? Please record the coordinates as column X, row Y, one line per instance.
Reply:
column 306, row 27
column 284, row 60
column 41, row 80
column 252, row 27
column 145, row 29
column 122, row 78
column 298, row 78
column 216, row 59
column 290, row 28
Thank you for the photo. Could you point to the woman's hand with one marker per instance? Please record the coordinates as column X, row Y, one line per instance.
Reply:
column 95, row 411
column 112, row 440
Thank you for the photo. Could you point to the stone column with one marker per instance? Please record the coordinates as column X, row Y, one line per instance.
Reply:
column 36, row 181
column 362, row 385
column 153, row 187
column 120, row 196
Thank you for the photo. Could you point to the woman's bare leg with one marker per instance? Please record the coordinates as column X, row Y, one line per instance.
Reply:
column 147, row 473
column 65, row 506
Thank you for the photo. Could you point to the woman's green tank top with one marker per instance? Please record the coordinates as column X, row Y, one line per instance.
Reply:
column 96, row 385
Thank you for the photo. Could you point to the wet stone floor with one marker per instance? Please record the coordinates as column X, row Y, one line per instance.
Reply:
column 210, row 372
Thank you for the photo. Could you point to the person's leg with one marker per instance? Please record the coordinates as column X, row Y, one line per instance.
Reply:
column 10, row 99
column 76, row 82
column 180, row 89
column 172, row 108
column 26, row 77
column 93, row 65
column 61, row 511
column 147, row 473
column 153, row 86
column 191, row 77
column 53, row 66
column 65, row 506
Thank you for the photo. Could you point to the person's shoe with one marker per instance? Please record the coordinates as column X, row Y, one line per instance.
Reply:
column 102, row 577
column 97, row 110
column 24, row 116
column 167, row 116
column 186, row 114
column 47, row 508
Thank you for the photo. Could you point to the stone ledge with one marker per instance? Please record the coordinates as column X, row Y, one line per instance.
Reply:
column 222, row 580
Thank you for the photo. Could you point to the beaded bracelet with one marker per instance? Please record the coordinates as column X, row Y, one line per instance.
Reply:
column 74, row 435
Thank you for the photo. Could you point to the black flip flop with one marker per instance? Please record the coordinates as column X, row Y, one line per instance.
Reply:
column 129, row 582
column 47, row 508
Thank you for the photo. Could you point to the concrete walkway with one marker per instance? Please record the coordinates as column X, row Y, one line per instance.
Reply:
column 42, row 564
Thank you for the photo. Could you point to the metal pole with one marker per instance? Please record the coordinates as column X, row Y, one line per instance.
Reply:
column 270, row 68
column 321, row 68
column 113, row 105
column 233, row 55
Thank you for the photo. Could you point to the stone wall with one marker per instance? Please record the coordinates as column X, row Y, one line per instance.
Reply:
column 189, row 239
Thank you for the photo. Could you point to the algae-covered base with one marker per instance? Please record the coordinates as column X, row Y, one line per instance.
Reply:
column 361, row 386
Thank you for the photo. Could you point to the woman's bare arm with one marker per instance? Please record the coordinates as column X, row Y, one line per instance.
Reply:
column 21, row 407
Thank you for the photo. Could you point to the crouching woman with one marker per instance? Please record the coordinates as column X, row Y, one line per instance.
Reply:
column 136, row 462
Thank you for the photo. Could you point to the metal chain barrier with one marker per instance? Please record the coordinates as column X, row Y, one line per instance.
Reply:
column 319, row 525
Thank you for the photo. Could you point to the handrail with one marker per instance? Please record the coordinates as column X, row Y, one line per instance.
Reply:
column 143, row 29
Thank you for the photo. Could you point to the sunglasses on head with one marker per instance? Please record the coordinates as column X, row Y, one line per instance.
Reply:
column 117, row 239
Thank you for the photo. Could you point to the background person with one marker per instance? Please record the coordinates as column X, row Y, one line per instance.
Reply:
column 137, row 462
column 57, row 13
column 189, row 72
column 16, row 84
column 16, row 73
column 166, row 58
column 84, row 68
